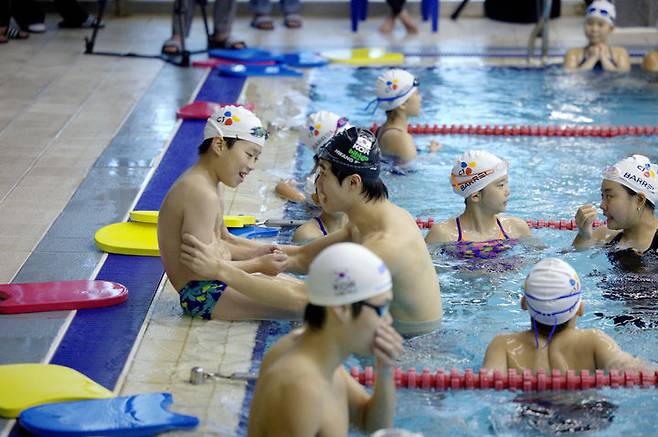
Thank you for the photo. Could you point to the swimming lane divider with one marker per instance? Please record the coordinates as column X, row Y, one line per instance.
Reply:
column 563, row 225
column 442, row 380
column 530, row 130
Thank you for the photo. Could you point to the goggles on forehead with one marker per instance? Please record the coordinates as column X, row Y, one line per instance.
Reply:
column 341, row 122
column 259, row 132
column 603, row 12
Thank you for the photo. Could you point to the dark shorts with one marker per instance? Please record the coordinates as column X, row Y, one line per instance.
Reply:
column 198, row 298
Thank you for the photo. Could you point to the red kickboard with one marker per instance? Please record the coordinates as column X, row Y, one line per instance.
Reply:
column 216, row 62
column 56, row 296
column 202, row 110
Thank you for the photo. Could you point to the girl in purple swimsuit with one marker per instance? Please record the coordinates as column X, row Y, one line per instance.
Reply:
column 479, row 232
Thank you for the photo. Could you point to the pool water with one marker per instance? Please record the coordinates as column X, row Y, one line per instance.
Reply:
column 549, row 179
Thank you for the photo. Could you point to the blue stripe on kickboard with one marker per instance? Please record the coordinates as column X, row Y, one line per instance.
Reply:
column 239, row 70
column 98, row 342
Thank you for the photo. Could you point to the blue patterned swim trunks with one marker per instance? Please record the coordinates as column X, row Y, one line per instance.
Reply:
column 198, row 298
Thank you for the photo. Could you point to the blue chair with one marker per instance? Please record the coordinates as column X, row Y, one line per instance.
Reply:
column 359, row 12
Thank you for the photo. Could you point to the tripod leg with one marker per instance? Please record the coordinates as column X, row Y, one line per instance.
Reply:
column 458, row 11
column 203, row 4
column 89, row 43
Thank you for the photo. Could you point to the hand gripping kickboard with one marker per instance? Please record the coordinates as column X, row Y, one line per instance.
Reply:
column 138, row 415
column 27, row 385
column 62, row 295
column 231, row 221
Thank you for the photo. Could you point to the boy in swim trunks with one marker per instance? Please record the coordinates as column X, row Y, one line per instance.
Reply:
column 303, row 389
column 397, row 94
column 599, row 24
column 553, row 297
column 349, row 182
column 233, row 139
column 479, row 232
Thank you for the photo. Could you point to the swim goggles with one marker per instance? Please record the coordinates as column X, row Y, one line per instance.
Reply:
column 381, row 310
column 379, row 100
column 553, row 314
column 259, row 132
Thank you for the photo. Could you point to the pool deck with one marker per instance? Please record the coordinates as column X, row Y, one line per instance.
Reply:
column 80, row 136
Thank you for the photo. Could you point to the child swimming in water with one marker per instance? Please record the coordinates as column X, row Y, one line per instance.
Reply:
column 553, row 297
column 480, row 232
column 628, row 199
column 320, row 127
column 397, row 94
column 598, row 54
column 321, row 225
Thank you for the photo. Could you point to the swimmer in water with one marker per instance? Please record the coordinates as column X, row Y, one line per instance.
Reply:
column 628, row 199
column 303, row 389
column 321, row 225
column 397, row 94
column 320, row 127
column 479, row 232
column 598, row 54
column 553, row 297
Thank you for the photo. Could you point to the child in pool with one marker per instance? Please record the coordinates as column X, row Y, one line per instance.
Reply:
column 397, row 94
column 598, row 54
column 320, row 226
column 553, row 297
column 320, row 127
column 479, row 232
column 628, row 199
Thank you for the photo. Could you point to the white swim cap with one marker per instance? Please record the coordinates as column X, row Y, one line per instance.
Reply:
column 235, row 122
column 474, row 170
column 320, row 127
column 602, row 9
column 393, row 88
column 552, row 292
column 345, row 273
column 637, row 173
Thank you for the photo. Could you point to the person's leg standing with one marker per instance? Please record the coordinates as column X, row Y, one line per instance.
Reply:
column 262, row 10
column 290, row 8
column 183, row 12
column 72, row 13
column 223, row 16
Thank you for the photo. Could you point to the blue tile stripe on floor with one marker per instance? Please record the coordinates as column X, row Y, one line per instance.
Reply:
column 98, row 342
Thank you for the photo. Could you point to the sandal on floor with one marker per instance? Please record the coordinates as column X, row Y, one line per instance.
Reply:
column 226, row 44
column 292, row 21
column 172, row 47
column 262, row 22
column 16, row 33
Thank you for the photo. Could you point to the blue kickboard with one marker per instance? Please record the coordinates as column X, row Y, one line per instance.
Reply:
column 304, row 60
column 138, row 415
column 239, row 70
column 251, row 232
column 244, row 55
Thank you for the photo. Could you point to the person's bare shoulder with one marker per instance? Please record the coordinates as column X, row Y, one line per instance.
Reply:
column 572, row 57
column 442, row 232
column 398, row 142
column 516, row 227
column 307, row 231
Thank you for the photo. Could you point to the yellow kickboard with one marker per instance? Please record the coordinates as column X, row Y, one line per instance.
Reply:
column 131, row 238
column 364, row 57
column 27, row 385
column 231, row 221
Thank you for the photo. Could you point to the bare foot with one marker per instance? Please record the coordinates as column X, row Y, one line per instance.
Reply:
column 387, row 25
column 408, row 22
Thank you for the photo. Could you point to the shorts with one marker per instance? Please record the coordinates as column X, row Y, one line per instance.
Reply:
column 198, row 298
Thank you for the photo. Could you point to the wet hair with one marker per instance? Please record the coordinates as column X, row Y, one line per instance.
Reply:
column 314, row 315
column 545, row 330
column 205, row 145
column 372, row 189
column 631, row 192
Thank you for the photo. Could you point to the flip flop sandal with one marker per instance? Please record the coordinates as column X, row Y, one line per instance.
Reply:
column 15, row 33
column 171, row 47
column 226, row 44
column 292, row 21
column 262, row 22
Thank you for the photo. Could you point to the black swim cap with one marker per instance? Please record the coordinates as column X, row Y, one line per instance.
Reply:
column 355, row 149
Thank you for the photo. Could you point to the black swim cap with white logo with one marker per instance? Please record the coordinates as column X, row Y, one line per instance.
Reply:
column 354, row 149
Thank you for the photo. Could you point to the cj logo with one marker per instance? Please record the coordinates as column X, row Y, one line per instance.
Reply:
column 227, row 118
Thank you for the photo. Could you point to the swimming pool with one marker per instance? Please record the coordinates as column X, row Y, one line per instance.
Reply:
column 549, row 178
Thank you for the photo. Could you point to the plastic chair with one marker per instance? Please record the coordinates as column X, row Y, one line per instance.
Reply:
column 359, row 12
